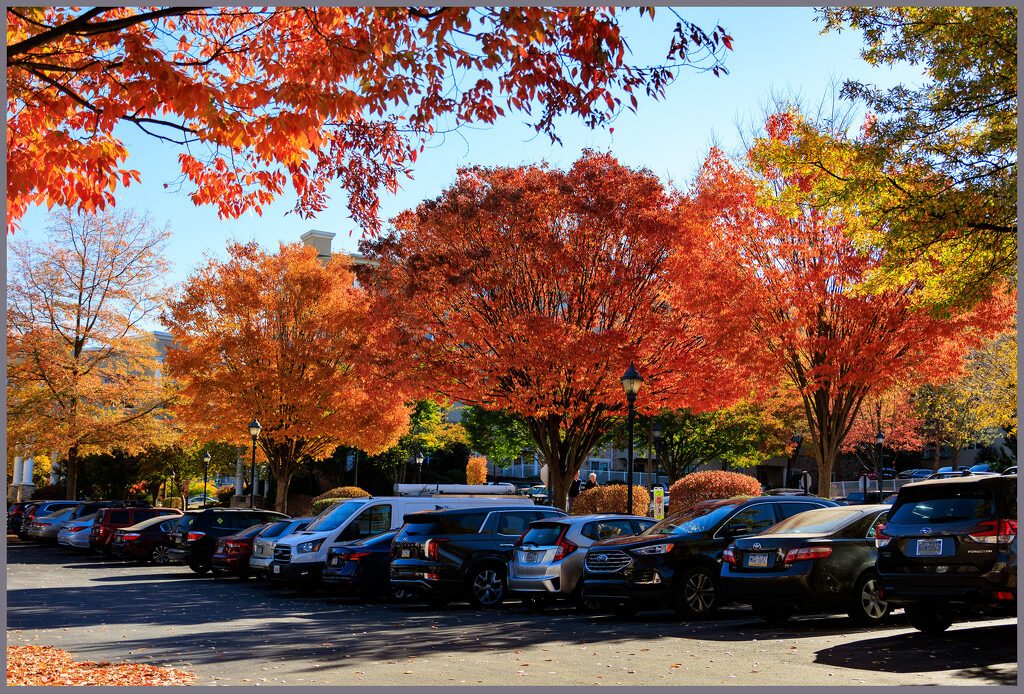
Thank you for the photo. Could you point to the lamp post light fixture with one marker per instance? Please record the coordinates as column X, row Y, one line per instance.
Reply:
column 879, row 439
column 419, row 468
column 631, row 382
column 254, row 432
column 206, row 469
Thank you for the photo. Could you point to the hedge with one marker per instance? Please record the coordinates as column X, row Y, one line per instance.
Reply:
column 708, row 485
column 337, row 494
column 611, row 499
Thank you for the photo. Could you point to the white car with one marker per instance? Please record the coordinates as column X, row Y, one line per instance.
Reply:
column 75, row 533
column 198, row 500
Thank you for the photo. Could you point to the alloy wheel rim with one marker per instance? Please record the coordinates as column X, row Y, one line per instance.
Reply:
column 700, row 593
column 160, row 554
column 873, row 606
column 487, row 586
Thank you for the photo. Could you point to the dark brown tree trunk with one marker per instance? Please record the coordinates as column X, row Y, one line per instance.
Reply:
column 282, row 481
column 72, row 463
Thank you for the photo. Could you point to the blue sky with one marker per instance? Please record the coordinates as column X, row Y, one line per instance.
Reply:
column 777, row 51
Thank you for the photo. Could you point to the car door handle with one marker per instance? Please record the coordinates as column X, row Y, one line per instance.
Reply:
column 508, row 544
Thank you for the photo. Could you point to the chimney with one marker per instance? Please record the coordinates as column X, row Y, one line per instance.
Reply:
column 321, row 241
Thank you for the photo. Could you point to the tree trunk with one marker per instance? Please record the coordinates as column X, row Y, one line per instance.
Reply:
column 282, row 481
column 936, row 459
column 72, row 463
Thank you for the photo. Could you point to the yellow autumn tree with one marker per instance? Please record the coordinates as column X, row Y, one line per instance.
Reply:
column 476, row 470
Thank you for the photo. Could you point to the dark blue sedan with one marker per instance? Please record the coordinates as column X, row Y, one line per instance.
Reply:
column 362, row 568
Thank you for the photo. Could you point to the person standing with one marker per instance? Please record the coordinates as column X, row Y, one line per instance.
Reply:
column 574, row 489
column 591, row 483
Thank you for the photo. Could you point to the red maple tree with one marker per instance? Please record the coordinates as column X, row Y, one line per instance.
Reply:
column 531, row 290
column 780, row 286
column 256, row 100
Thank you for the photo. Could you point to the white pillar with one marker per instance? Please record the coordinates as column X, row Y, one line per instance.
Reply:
column 16, row 479
column 239, row 484
column 26, row 471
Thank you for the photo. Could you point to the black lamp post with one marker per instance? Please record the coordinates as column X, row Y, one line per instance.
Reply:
column 879, row 439
column 206, row 468
column 254, row 432
column 797, row 439
column 419, row 468
column 631, row 382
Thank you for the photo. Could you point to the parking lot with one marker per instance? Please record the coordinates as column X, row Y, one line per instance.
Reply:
column 232, row 632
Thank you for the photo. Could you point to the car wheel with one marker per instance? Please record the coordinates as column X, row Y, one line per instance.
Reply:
column 160, row 554
column 198, row 567
column 537, row 602
column 487, row 586
column 399, row 595
column 583, row 605
column 867, row 606
column 696, row 593
column 930, row 619
column 773, row 614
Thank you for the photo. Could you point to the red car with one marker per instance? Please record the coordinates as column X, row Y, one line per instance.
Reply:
column 149, row 540
column 110, row 519
column 231, row 554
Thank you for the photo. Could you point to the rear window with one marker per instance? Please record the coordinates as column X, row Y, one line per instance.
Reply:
column 185, row 522
column 822, row 521
column 543, row 535
column 942, row 503
column 451, row 524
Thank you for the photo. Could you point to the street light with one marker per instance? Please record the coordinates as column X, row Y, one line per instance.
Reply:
column 419, row 468
column 879, row 439
column 631, row 382
column 254, row 432
column 206, row 468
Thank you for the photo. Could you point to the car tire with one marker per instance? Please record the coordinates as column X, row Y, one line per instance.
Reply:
column 486, row 584
column 538, row 603
column 160, row 555
column 696, row 593
column 399, row 595
column 930, row 619
column 583, row 605
column 773, row 614
column 866, row 607
column 198, row 567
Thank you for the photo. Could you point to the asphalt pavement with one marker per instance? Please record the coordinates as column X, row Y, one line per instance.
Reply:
column 233, row 632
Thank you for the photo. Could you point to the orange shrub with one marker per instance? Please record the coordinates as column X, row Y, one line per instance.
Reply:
column 611, row 499
column 476, row 470
column 342, row 493
column 710, row 484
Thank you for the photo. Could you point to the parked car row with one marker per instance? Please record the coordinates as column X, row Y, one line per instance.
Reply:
column 942, row 548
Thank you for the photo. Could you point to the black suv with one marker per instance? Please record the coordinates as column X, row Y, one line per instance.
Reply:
column 678, row 561
column 950, row 546
column 194, row 537
column 457, row 554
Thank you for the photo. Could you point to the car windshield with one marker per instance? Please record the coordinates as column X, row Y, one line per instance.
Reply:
column 332, row 518
column 821, row 521
column 695, row 519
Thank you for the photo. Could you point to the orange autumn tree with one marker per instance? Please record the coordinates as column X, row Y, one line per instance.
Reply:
column 783, row 286
column 257, row 100
column 892, row 413
column 530, row 290
column 476, row 470
column 281, row 338
column 82, row 372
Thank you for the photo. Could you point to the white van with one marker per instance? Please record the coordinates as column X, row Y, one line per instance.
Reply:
column 299, row 558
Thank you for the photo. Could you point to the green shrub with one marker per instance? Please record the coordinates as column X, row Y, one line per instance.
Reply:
column 611, row 499
column 320, row 505
column 342, row 493
column 708, row 485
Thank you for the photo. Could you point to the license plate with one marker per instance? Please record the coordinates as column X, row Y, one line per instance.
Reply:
column 334, row 561
column 405, row 553
column 757, row 560
column 277, row 569
column 532, row 557
column 929, row 548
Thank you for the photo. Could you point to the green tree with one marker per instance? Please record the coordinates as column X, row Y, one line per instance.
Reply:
column 429, row 433
column 498, row 434
column 937, row 174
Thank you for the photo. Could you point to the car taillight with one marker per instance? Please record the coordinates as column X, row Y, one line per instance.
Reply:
column 996, row 532
column 1003, row 595
column 130, row 536
column 565, row 548
column 234, row 547
column 520, row 540
column 728, row 557
column 353, row 556
column 192, row 537
column 881, row 539
column 806, row 553
column 77, row 528
column 431, row 548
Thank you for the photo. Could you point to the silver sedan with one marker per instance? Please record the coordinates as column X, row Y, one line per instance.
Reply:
column 45, row 529
column 75, row 533
column 547, row 561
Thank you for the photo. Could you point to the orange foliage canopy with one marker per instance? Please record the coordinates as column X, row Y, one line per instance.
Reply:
column 530, row 290
column 281, row 338
column 257, row 99
column 786, row 290
column 476, row 470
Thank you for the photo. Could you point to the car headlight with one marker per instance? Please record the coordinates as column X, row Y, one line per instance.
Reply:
column 654, row 549
column 311, row 546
